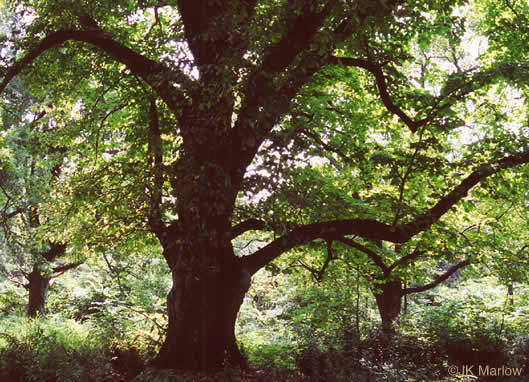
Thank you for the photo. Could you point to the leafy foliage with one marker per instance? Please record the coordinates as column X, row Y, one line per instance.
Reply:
column 356, row 154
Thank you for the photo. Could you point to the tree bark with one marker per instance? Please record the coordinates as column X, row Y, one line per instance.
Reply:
column 209, row 281
column 38, row 286
column 389, row 301
column 202, row 309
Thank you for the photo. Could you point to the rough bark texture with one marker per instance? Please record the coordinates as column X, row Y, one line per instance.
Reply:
column 202, row 309
column 209, row 281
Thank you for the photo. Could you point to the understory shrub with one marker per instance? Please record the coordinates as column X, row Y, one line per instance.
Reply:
column 61, row 350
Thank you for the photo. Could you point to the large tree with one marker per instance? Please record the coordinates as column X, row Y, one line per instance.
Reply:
column 232, row 77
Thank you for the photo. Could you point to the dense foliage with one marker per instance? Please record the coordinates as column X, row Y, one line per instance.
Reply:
column 328, row 190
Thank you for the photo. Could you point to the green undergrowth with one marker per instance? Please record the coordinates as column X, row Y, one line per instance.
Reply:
column 54, row 349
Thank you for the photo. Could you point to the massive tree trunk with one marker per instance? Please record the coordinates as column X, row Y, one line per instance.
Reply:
column 389, row 301
column 202, row 308
column 38, row 286
column 209, row 281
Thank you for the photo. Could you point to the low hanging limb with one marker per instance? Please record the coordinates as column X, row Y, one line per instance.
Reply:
column 437, row 280
column 158, row 76
column 247, row 225
column 370, row 229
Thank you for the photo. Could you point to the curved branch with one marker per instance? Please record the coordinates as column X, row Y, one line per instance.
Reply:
column 438, row 280
column 425, row 220
column 382, row 86
column 60, row 269
column 366, row 228
column 247, row 225
column 455, row 87
column 157, row 75
column 370, row 229
column 410, row 256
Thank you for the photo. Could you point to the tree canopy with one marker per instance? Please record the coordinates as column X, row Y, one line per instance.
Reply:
column 389, row 133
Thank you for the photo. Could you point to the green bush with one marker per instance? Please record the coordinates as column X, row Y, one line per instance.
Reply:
column 52, row 350
column 11, row 299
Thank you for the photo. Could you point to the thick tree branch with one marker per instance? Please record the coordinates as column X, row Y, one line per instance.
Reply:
column 267, row 96
column 373, row 230
column 247, row 225
column 369, row 229
column 287, row 65
column 213, row 28
column 56, row 250
column 438, row 280
column 297, row 37
column 262, row 109
column 157, row 75
column 60, row 269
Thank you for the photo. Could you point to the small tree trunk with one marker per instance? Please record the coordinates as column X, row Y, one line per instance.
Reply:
column 510, row 293
column 389, row 301
column 38, row 291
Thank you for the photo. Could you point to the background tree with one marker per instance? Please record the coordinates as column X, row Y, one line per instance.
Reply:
column 30, row 168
